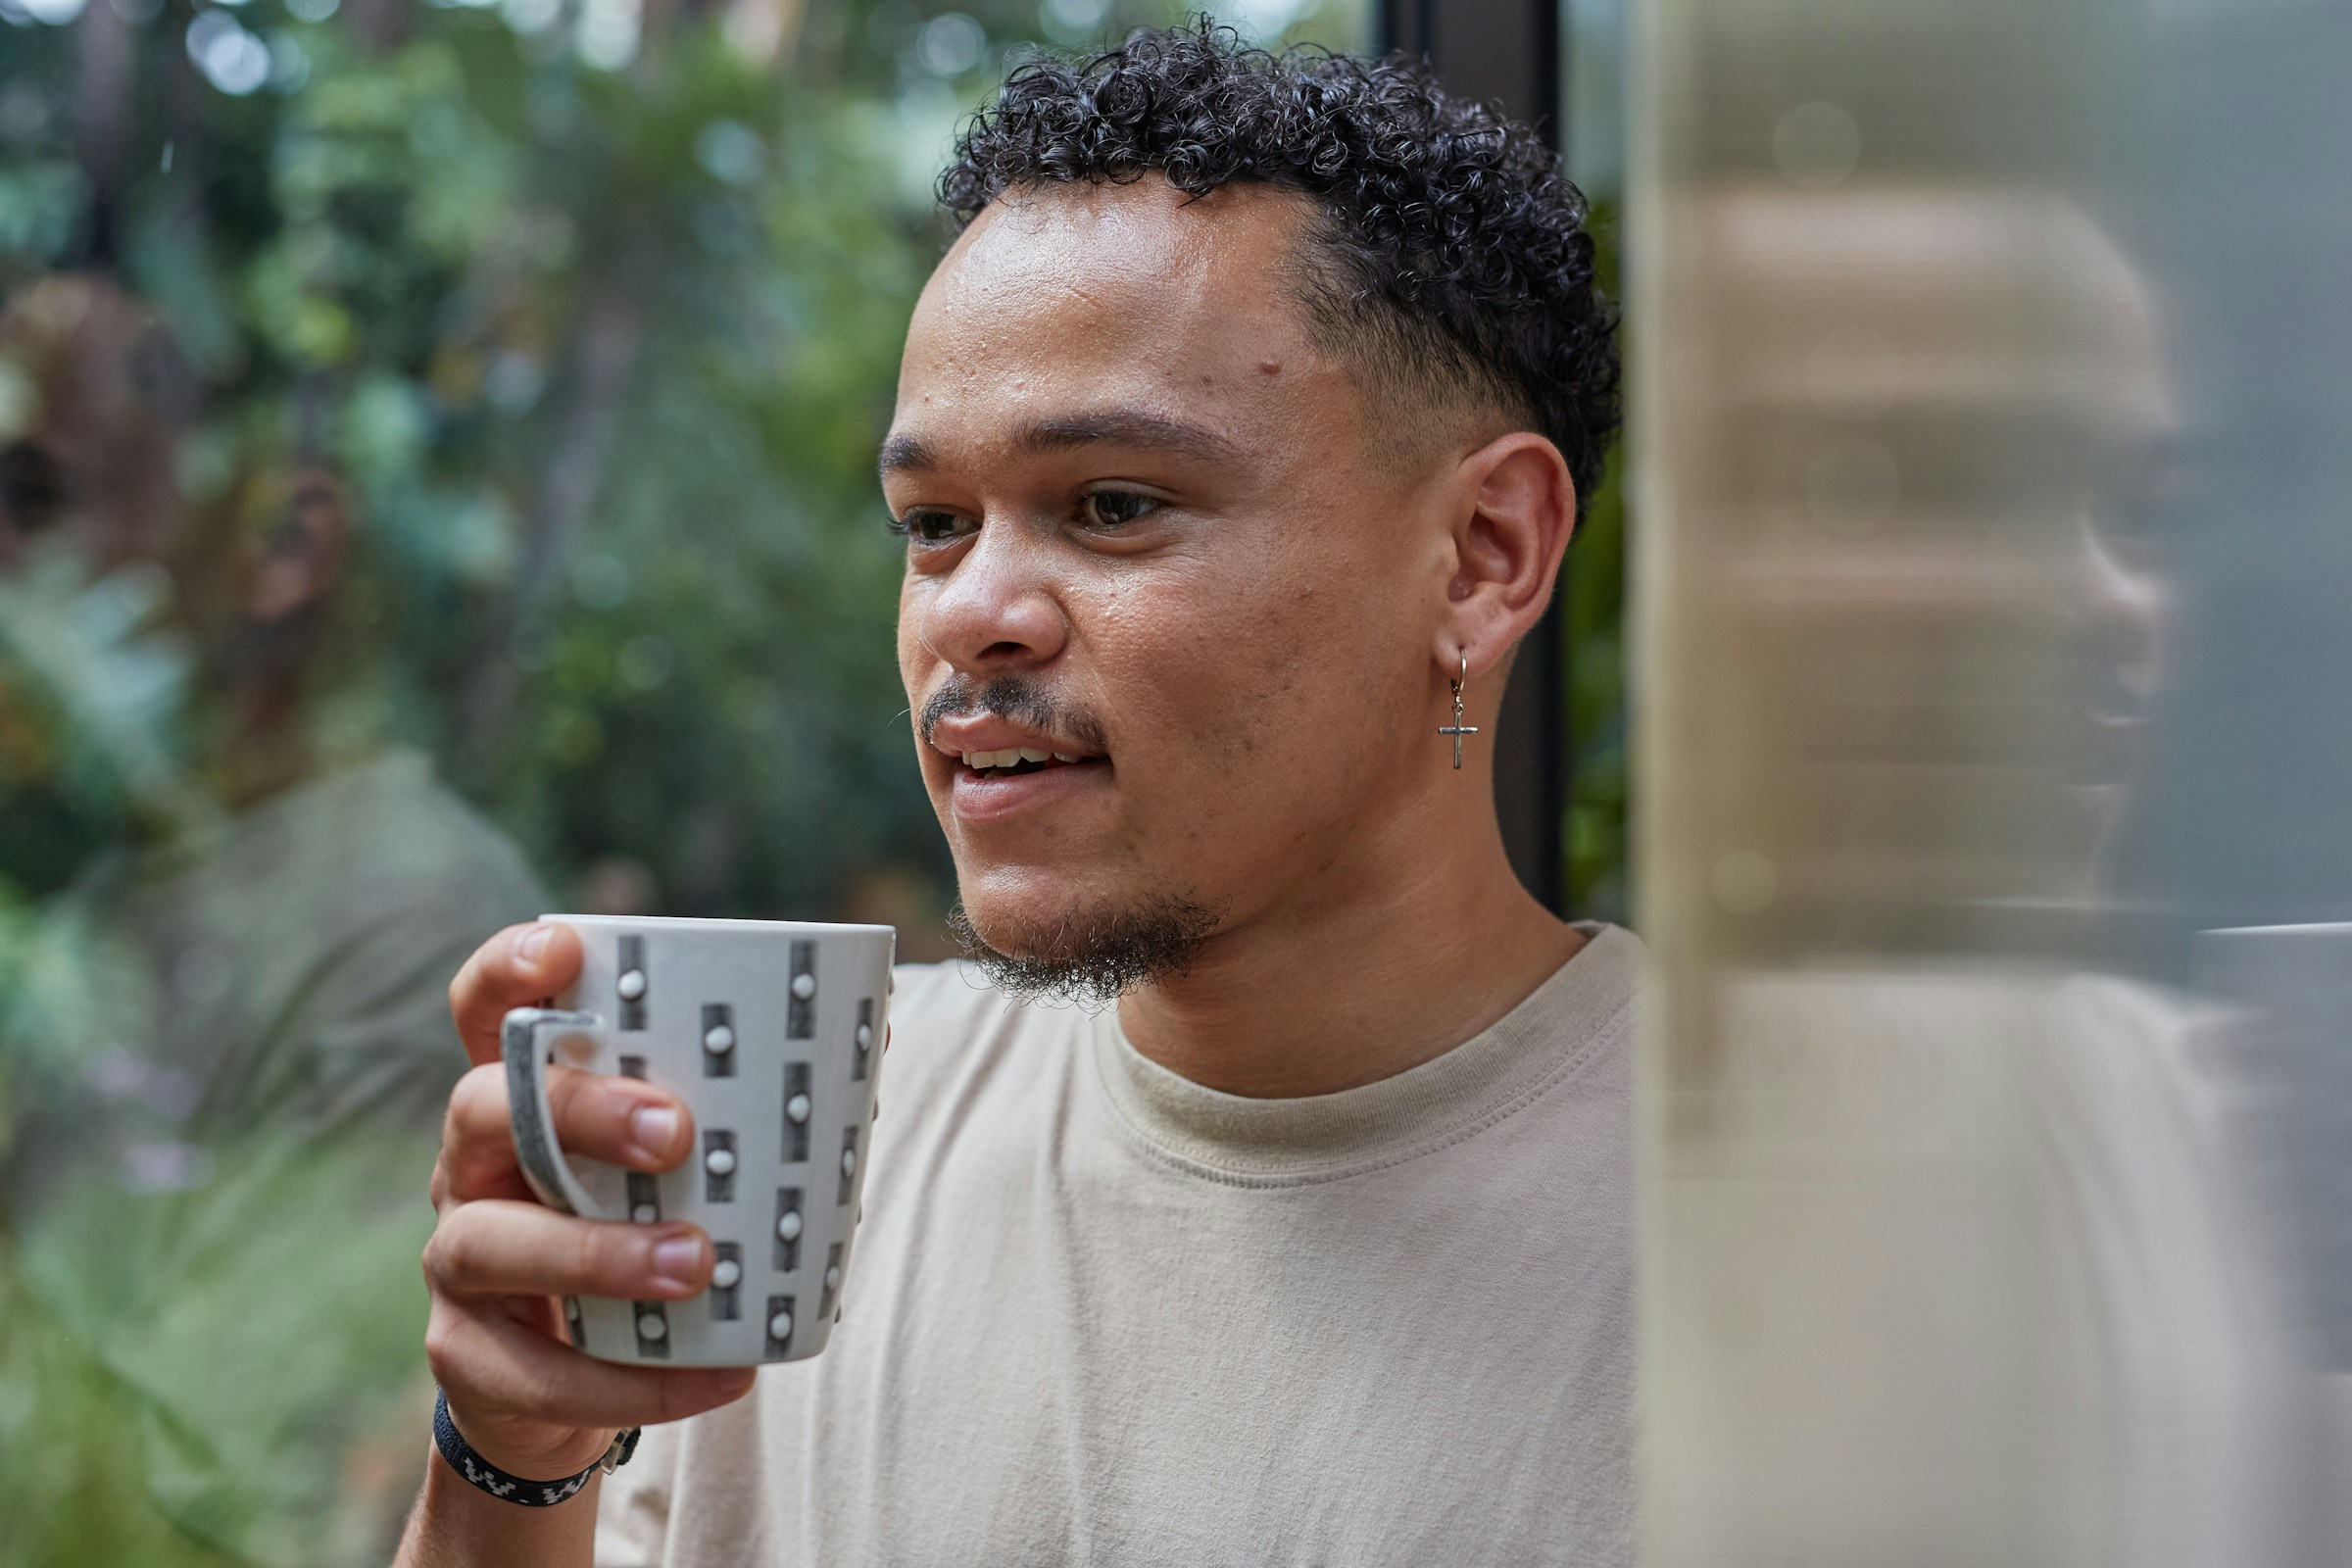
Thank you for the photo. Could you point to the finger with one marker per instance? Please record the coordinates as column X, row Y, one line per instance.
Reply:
column 481, row 1178
column 497, row 1248
column 521, row 966
column 620, row 1121
column 488, row 1362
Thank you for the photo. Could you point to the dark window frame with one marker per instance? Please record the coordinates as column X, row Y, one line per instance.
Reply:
column 1509, row 50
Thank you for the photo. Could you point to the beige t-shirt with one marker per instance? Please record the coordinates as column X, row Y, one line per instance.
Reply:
column 1101, row 1314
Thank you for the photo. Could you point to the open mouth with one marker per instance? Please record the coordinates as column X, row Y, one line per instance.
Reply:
column 1015, row 763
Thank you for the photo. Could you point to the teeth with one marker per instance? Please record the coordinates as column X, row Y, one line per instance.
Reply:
column 1012, row 757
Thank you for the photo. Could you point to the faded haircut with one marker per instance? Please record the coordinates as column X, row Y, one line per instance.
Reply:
column 1447, row 263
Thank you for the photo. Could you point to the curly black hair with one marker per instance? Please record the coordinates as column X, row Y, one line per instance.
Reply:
column 1451, row 259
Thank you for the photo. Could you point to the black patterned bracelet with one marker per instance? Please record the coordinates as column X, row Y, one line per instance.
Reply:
column 480, row 1472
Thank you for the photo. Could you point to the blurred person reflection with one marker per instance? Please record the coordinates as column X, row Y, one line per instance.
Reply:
column 1997, row 1211
column 228, row 1054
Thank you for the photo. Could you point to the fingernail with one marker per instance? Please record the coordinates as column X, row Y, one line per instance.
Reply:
column 674, row 1260
column 533, row 943
column 655, row 1128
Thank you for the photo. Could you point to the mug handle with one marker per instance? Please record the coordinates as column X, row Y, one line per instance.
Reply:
column 528, row 1112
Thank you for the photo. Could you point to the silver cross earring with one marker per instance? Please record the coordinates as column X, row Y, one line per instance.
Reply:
column 1457, row 729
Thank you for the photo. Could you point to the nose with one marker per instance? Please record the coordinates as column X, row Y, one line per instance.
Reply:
column 995, row 610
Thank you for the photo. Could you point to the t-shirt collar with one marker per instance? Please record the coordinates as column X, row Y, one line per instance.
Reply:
column 1547, row 1036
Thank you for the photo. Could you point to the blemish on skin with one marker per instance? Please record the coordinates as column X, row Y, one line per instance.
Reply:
column 1269, row 368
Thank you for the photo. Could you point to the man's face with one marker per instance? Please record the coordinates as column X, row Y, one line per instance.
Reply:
column 90, row 414
column 1148, row 542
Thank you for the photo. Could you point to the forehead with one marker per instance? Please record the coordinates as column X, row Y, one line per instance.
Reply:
column 1131, row 291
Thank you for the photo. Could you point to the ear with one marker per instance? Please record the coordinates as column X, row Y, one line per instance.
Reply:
column 1517, row 510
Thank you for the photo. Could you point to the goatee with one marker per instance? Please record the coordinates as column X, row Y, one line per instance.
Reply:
column 1093, row 957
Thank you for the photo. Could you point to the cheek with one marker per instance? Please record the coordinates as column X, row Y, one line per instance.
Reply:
column 1236, row 679
column 914, row 659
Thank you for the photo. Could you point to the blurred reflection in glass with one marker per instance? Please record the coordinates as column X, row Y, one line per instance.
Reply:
column 437, row 455
column 1969, row 1239
column 227, row 1038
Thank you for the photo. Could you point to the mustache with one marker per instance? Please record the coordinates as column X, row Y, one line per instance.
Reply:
column 1009, row 696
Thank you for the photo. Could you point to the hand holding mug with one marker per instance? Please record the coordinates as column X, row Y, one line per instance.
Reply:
column 500, row 1262
column 517, row 1283
column 771, row 1034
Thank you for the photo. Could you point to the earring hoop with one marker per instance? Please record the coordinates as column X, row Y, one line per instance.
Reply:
column 1457, row 729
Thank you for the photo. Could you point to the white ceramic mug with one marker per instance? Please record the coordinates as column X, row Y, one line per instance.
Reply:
column 771, row 1032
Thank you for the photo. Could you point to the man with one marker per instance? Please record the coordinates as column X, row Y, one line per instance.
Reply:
column 1240, row 433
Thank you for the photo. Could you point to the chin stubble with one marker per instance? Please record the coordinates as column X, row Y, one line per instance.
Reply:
column 1091, row 958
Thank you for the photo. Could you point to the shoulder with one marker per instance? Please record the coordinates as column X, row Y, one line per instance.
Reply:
column 387, row 827
column 415, row 824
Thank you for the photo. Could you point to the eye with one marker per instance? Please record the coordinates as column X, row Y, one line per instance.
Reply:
column 929, row 527
column 1115, row 509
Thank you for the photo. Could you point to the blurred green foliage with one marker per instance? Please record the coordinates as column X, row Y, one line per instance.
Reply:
column 582, row 316
column 600, row 359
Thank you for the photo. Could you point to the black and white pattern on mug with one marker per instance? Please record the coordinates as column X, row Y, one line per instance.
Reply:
column 830, row 1284
column 652, row 1330
column 779, row 1327
column 718, row 1165
column 849, row 1165
column 632, row 983
column 726, row 1281
column 719, row 1040
column 799, row 1106
column 801, row 1022
column 790, row 1223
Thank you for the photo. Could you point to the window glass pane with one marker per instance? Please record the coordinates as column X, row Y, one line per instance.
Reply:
column 1994, row 836
column 437, row 486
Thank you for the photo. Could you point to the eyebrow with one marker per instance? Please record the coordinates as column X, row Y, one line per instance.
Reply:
column 904, row 452
column 1127, row 427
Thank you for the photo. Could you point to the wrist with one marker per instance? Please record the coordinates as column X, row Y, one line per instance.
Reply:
column 455, row 1525
column 534, row 1448
column 539, row 1481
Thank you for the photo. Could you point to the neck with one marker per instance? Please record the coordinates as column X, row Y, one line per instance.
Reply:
column 1419, row 938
